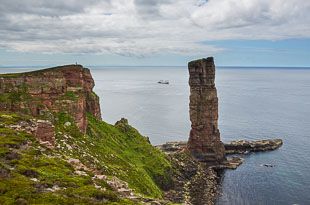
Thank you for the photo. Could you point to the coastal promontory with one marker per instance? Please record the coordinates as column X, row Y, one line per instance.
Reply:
column 55, row 149
column 60, row 89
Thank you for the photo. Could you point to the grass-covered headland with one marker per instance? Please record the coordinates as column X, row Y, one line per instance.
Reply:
column 110, row 164
column 55, row 149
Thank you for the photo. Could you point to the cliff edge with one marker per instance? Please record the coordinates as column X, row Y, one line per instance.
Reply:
column 54, row 147
column 41, row 93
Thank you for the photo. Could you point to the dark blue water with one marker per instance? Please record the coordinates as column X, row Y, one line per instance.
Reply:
column 254, row 103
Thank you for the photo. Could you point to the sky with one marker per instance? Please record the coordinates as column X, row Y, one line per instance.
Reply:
column 154, row 32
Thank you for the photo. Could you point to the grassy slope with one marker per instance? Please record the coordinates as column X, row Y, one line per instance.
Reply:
column 131, row 156
column 114, row 150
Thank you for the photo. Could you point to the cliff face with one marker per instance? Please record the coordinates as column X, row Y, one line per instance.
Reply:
column 102, row 164
column 204, row 141
column 60, row 89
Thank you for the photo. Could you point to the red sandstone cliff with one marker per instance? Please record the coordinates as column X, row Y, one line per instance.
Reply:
column 60, row 89
column 204, row 141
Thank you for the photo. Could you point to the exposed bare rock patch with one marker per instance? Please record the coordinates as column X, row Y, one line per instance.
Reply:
column 43, row 130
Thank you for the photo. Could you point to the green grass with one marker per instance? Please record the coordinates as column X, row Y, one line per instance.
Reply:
column 130, row 155
column 7, row 118
column 14, row 97
column 11, row 75
column 17, row 97
column 119, row 151
column 16, row 186
column 70, row 95
column 36, row 72
column 114, row 150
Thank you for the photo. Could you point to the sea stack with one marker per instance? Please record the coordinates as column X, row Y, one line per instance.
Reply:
column 204, row 141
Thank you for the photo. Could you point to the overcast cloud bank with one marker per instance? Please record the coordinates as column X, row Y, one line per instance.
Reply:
column 146, row 27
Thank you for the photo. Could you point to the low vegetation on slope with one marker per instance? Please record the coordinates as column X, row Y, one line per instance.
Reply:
column 108, row 165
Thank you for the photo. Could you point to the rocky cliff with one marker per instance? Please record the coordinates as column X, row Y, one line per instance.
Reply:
column 204, row 142
column 54, row 148
column 42, row 93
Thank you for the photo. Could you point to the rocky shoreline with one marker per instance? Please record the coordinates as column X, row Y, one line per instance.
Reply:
column 233, row 147
column 197, row 182
column 193, row 182
column 245, row 146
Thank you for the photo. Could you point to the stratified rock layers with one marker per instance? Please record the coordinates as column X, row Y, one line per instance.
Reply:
column 60, row 89
column 204, row 142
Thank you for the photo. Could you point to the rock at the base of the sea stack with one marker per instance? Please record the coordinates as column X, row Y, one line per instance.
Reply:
column 204, row 141
column 245, row 146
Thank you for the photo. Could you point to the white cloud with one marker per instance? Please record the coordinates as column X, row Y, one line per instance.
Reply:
column 255, row 19
column 141, row 27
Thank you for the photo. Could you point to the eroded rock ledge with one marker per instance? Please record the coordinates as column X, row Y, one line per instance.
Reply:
column 245, row 146
column 233, row 147
column 196, row 182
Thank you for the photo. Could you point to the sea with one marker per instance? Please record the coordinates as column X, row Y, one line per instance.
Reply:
column 254, row 103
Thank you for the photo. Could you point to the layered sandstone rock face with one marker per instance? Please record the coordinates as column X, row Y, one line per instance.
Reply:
column 204, row 142
column 60, row 89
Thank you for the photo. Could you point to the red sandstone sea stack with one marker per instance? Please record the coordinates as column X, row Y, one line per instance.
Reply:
column 204, row 142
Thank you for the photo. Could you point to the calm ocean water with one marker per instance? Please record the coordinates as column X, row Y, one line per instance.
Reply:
column 254, row 103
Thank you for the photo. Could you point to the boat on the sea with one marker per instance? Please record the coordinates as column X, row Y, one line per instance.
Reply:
column 163, row 82
column 267, row 165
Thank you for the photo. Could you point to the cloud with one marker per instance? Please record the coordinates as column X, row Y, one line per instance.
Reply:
column 255, row 19
column 46, row 8
column 140, row 27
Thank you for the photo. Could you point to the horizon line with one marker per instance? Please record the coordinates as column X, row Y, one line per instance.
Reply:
column 107, row 66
